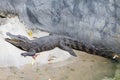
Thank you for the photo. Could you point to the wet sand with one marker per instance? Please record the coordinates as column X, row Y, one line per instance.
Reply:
column 83, row 67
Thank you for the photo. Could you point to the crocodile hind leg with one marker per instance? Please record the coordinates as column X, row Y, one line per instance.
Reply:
column 66, row 48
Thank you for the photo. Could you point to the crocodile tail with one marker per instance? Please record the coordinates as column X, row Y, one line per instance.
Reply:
column 90, row 49
column 100, row 52
column 83, row 47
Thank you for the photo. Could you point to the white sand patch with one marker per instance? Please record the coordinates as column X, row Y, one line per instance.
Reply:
column 51, row 56
column 10, row 55
column 13, row 26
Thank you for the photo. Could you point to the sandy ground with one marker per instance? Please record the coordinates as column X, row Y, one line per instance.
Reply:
column 55, row 64
column 84, row 67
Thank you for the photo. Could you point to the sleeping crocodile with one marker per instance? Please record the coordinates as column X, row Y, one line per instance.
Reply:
column 50, row 42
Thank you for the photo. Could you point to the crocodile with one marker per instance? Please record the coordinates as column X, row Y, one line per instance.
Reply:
column 78, row 19
column 50, row 42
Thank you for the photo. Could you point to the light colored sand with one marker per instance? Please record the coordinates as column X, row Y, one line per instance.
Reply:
column 84, row 67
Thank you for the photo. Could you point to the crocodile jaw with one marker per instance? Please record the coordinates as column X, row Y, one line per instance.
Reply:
column 15, row 42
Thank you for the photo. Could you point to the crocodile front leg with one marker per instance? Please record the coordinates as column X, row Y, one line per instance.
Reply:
column 30, row 53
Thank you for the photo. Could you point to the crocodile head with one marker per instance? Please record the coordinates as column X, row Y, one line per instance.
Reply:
column 21, row 44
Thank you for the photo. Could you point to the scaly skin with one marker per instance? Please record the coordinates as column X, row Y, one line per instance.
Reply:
column 50, row 42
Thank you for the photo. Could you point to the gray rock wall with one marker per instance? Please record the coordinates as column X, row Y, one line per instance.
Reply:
column 92, row 21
